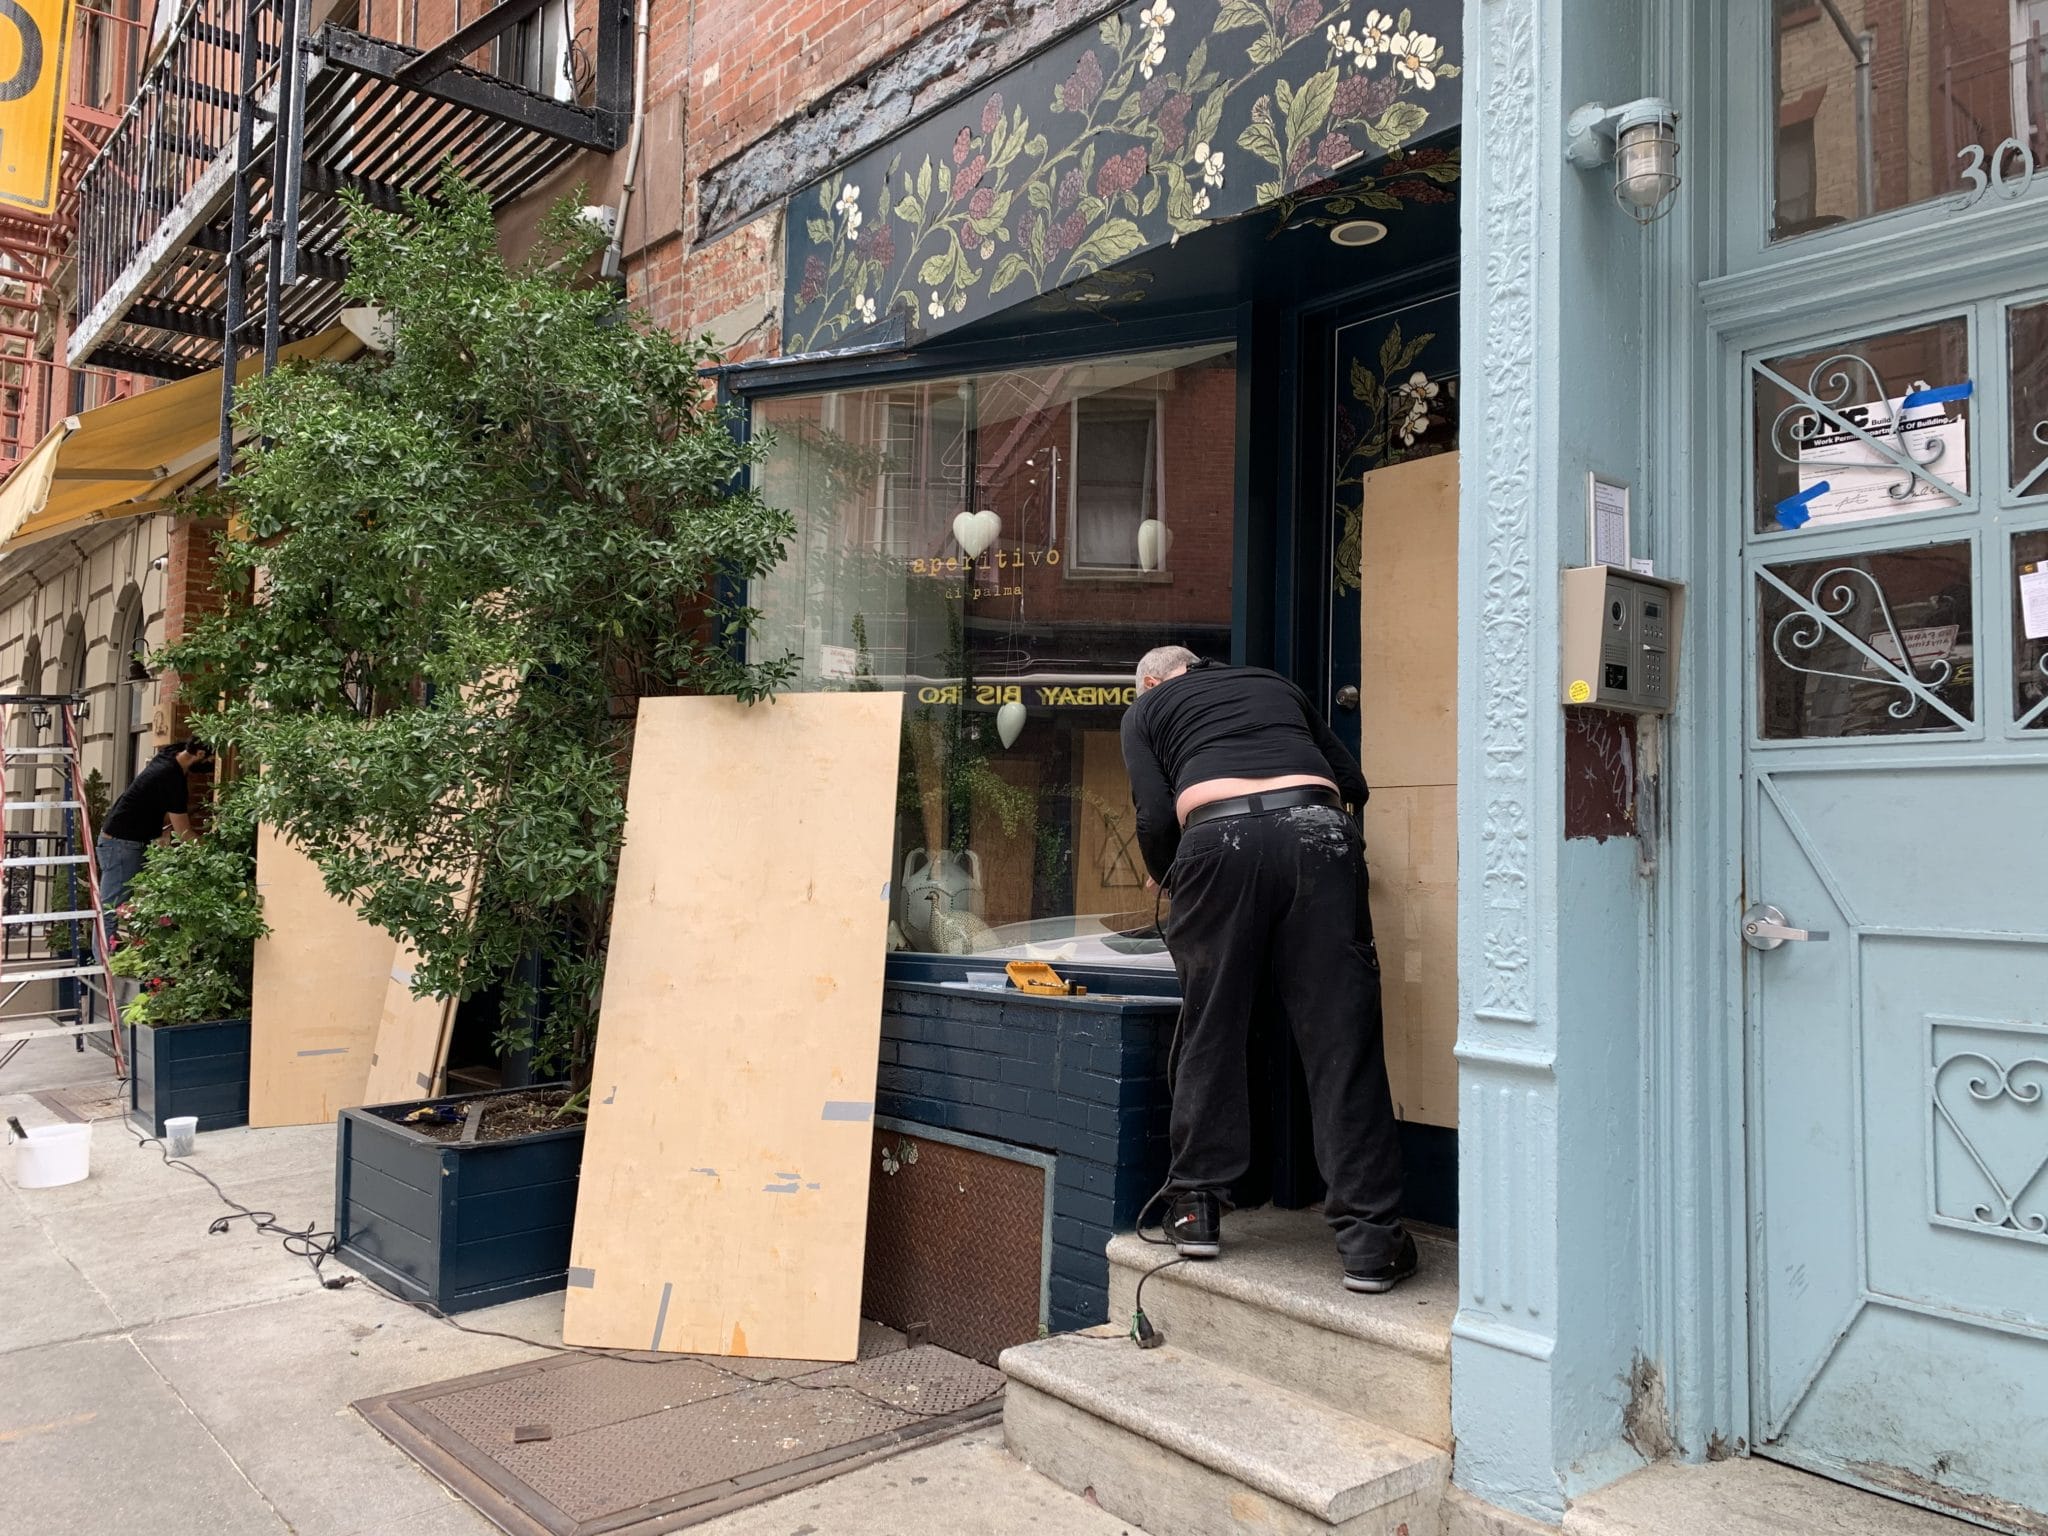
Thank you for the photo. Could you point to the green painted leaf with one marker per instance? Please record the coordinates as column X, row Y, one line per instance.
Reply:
column 1414, row 350
column 1110, row 244
column 1268, row 192
column 1239, row 13
column 818, row 231
column 1283, row 97
column 1035, row 146
column 1265, row 50
column 1092, row 208
column 1398, row 124
column 1210, row 117
column 1390, row 349
column 1009, row 270
column 1115, row 32
column 924, row 180
column 1444, row 172
column 910, row 211
column 1260, row 139
column 936, row 269
column 1197, row 62
column 1151, row 202
column 1310, row 108
column 1037, row 241
column 1038, row 195
column 1385, row 202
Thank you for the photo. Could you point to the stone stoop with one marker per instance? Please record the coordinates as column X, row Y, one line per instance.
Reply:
column 1274, row 1306
column 1748, row 1497
column 1184, row 1446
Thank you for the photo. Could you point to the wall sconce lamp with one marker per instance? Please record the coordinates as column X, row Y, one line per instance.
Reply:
column 40, row 717
column 1641, row 139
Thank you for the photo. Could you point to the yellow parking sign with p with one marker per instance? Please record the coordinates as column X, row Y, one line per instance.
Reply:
column 35, row 62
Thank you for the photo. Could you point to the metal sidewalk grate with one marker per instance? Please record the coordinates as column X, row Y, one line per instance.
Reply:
column 574, row 1445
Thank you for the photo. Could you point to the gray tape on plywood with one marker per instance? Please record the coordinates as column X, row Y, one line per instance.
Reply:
column 327, row 1050
column 661, row 1317
column 583, row 1279
column 861, row 1111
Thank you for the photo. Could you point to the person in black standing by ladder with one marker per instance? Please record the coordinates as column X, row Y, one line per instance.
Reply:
column 1241, row 792
column 160, row 793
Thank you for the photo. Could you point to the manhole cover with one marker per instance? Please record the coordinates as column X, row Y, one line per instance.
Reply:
column 575, row 1445
column 86, row 1101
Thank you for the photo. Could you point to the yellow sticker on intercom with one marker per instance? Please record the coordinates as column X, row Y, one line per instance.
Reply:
column 1581, row 691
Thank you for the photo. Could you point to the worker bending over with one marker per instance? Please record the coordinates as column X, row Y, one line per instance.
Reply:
column 1241, row 792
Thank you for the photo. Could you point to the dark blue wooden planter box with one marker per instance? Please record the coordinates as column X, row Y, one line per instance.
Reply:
column 188, row 1069
column 457, row 1225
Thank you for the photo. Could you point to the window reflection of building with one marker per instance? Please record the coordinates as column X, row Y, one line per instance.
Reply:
column 1944, row 75
column 976, row 544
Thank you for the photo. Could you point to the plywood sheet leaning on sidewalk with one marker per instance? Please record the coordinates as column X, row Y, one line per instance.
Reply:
column 724, row 1198
column 319, row 990
column 409, row 1057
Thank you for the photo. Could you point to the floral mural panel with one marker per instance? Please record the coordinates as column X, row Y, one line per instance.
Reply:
column 1394, row 398
column 1156, row 122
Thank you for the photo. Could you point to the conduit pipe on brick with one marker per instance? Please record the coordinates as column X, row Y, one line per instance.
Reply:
column 615, row 252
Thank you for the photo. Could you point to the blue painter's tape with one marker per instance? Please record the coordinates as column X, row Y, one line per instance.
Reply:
column 1941, row 396
column 1792, row 511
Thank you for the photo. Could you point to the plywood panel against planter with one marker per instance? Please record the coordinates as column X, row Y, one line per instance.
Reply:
column 1408, row 727
column 725, row 1176
column 319, row 990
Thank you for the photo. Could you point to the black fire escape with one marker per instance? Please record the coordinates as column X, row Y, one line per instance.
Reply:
column 210, row 225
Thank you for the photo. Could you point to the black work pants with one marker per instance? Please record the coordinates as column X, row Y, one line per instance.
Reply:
column 1278, row 899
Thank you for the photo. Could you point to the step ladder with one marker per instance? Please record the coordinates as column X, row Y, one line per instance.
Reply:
column 53, row 927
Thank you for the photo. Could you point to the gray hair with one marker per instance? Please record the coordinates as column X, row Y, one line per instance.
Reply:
column 1164, row 661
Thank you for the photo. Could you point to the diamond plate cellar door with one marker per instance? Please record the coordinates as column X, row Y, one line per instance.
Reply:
column 1895, row 906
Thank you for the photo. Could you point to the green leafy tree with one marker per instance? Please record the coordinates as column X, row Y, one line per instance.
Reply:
column 452, row 574
column 189, row 923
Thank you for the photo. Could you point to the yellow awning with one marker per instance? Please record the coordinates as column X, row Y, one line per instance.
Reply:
column 129, row 457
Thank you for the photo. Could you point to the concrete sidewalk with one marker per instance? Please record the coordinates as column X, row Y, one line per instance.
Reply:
column 160, row 1380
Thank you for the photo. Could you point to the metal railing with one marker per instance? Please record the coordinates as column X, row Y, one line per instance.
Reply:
column 37, row 393
column 180, row 123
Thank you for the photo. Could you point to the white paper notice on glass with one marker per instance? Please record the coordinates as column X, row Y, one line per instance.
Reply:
column 1843, row 479
column 2034, row 600
column 1609, row 511
column 838, row 662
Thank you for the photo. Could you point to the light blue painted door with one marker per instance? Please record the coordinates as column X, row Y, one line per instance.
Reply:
column 1896, row 582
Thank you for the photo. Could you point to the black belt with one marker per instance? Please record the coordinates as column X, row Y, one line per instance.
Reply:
column 1270, row 800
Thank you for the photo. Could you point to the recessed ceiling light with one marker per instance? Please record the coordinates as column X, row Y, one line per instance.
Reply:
column 1358, row 232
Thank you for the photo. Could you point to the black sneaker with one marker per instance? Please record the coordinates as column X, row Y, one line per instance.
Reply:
column 1386, row 1276
column 1194, row 1222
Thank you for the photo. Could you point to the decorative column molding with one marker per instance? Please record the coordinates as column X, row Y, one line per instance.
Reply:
column 1506, row 1332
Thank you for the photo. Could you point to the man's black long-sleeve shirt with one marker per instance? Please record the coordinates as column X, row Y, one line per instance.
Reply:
column 1217, row 722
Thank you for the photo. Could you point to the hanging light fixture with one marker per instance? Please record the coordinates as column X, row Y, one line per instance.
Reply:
column 1640, row 139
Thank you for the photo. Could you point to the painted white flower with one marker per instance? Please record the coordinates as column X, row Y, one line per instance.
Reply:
column 866, row 306
column 937, row 308
column 1376, row 36
column 1200, row 204
column 1416, row 55
column 1419, row 387
column 1209, row 163
column 1339, row 36
column 1158, row 17
column 848, row 207
column 1155, row 55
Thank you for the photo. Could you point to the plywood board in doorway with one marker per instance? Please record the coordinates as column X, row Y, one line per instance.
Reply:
column 411, row 1043
column 723, row 1206
column 318, row 994
column 1408, row 689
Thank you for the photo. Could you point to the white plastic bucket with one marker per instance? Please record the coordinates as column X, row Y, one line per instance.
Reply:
column 53, row 1155
column 179, row 1131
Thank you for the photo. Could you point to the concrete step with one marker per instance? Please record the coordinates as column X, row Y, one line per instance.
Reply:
column 1750, row 1497
column 1183, row 1446
column 1274, row 1306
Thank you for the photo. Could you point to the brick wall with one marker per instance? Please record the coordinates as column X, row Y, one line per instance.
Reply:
column 1083, row 1080
column 190, row 593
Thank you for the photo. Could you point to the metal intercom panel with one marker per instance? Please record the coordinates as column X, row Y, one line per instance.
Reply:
column 1621, row 634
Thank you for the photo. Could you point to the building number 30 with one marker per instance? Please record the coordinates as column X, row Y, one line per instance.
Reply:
column 1982, row 181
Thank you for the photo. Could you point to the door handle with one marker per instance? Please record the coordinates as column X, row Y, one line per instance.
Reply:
column 1347, row 698
column 1765, row 927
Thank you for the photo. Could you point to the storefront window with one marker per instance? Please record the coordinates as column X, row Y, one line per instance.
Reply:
column 1886, row 103
column 1001, row 548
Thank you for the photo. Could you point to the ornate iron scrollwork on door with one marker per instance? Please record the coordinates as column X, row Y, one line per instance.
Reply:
column 1824, row 612
column 1830, row 405
column 2011, row 1170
